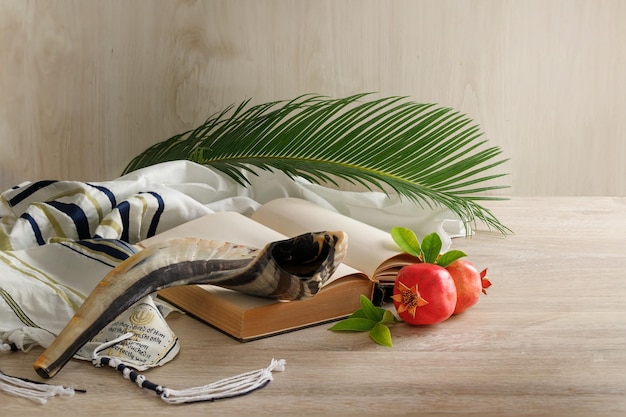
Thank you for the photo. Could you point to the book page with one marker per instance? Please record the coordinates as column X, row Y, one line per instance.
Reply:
column 225, row 226
column 369, row 248
column 235, row 228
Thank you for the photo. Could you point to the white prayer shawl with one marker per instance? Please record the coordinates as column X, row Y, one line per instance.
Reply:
column 58, row 239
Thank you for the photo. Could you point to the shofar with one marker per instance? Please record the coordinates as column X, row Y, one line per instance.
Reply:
column 289, row 269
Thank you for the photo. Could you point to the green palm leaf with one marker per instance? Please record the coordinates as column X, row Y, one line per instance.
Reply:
column 428, row 154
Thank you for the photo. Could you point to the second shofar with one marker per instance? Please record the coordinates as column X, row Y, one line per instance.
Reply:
column 290, row 269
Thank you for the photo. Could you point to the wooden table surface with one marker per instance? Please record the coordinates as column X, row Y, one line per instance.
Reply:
column 549, row 339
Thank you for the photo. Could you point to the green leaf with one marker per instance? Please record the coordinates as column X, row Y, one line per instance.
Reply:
column 370, row 310
column 449, row 257
column 353, row 325
column 406, row 240
column 388, row 318
column 358, row 314
column 431, row 248
column 381, row 335
column 433, row 156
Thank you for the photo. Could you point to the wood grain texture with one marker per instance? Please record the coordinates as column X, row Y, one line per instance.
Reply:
column 548, row 340
column 86, row 85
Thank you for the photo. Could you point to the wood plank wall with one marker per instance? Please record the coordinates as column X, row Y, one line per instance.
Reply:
column 85, row 85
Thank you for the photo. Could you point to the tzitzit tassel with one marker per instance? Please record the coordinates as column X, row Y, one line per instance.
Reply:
column 33, row 390
column 226, row 388
column 8, row 347
column 223, row 389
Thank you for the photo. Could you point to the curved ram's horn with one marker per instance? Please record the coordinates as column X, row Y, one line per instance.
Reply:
column 287, row 270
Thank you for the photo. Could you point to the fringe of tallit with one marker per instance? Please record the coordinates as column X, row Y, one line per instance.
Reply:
column 232, row 387
column 33, row 390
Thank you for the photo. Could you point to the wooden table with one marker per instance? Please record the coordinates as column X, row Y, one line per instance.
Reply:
column 549, row 339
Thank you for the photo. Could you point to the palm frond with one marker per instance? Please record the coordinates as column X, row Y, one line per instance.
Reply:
column 431, row 155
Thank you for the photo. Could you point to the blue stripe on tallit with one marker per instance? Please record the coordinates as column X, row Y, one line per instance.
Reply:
column 30, row 190
column 102, row 261
column 113, row 248
column 35, row 227
column 77, row 215
column 125, row 246
column 124, row 210
column 106, row 192
column 157, row 215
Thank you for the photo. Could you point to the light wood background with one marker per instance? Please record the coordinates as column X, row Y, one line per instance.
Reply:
column 86, row 85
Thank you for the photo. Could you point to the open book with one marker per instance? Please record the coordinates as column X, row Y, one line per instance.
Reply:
column 372, row 257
